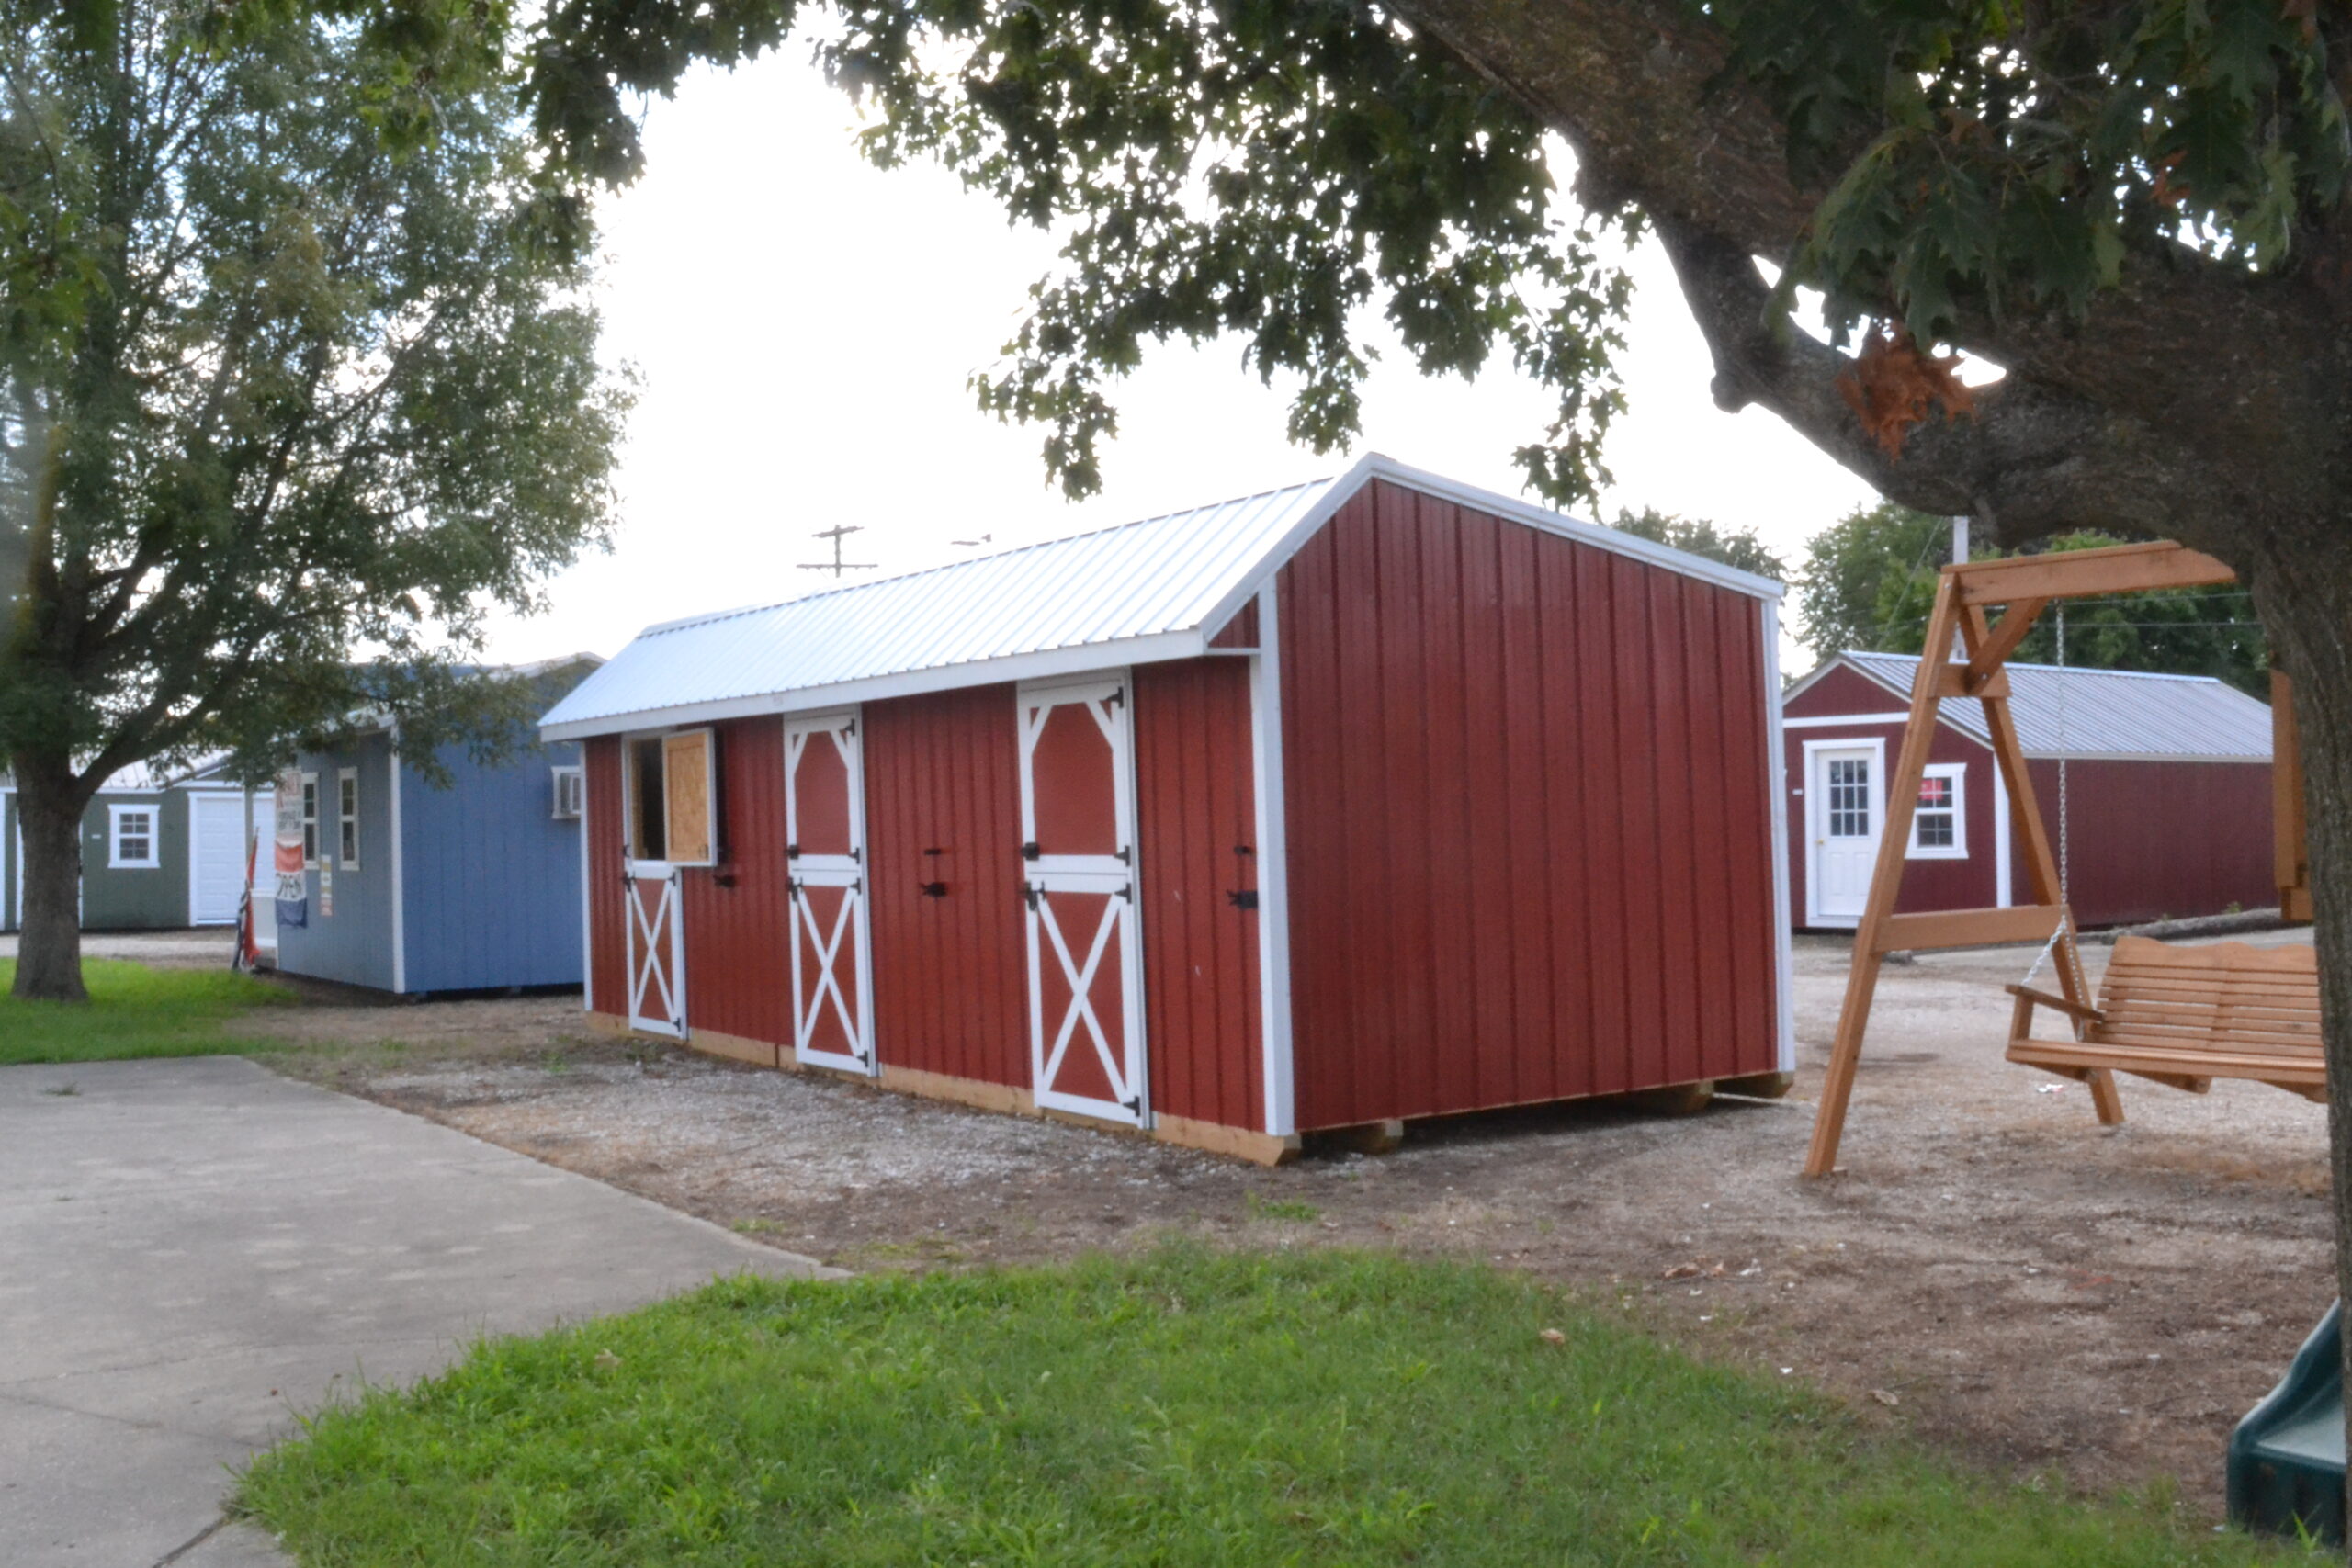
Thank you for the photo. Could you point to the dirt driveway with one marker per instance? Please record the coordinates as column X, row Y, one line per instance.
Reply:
column 1992, row 1270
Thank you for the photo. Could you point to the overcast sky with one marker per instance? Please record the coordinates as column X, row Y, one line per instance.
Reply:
column 803, row 325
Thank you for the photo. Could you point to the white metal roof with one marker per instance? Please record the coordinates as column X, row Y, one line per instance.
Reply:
column 2102, row 713
column 1152, row 589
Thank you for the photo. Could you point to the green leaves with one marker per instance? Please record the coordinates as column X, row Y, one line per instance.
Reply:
column 1981, row 160
column 281, row 375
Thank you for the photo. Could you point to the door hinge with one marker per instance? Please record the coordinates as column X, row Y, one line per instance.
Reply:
column 792, row 887
column 791, row 851
column 1031, row 893
column 1243, row 897
column 1126, row 854
column 1030, row 851
column 1118, row 695
column 1128, row 891
column 1135, row 1102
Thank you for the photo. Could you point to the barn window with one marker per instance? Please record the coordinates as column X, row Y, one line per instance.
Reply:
column 670, row 806
column 1939, row 826
column 132, row 842
column 347, row 812
column 310, row 820
column 569, row 790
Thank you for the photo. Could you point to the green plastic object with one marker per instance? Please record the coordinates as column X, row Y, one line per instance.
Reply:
column 2285, row 1460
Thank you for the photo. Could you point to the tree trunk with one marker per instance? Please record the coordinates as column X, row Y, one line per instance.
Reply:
column 2305, row 592
column 49, row 803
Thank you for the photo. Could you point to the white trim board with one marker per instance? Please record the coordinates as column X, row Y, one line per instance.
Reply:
column 1776, row 786
column 1832, row 721
column 1274, row 871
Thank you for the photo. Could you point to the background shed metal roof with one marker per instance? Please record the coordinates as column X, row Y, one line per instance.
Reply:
column 2104, row 713
column 1152, row 590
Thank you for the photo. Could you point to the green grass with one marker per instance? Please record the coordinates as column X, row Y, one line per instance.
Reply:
column 133, row 1011
column 1178, row 1409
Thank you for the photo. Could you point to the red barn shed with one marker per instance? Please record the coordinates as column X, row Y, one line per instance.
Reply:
column 1371, row 799
column 2168, row 797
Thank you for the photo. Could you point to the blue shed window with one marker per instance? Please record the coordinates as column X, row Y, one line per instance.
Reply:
column 346, row 785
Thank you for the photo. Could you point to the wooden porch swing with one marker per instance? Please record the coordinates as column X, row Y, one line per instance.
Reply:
column 2180, row 1017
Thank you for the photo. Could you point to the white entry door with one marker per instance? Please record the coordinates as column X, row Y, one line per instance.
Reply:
column 1846, row 798
column 1086, row 1049
column 824, row 822
column 216, row 857
column 656, row 949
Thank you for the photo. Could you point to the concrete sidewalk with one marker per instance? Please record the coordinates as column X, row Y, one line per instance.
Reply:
column 191, row 1251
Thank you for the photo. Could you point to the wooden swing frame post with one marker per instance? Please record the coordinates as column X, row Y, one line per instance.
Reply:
column 2026, row 585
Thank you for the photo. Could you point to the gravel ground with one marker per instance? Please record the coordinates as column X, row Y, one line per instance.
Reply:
column 1991, row 1270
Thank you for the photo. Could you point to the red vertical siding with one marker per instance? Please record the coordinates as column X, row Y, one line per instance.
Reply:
column 607, row 959
column 736, row 917
column 1194, row 809
column 1242, row 632
column 950, row 974
column 1517, row 772
column 2151, row 840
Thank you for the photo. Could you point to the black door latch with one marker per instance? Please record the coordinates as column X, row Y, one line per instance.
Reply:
column 933, row 889
column 1242, row 897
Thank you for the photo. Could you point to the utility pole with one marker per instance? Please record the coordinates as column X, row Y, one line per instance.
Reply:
column 837, row 566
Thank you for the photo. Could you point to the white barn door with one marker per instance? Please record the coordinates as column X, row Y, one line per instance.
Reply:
column 216, row 856
column 656, row 949
column 1086, row 1047
column 824, row 823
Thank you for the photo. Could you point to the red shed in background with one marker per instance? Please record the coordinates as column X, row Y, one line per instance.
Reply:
column 1372, row 798
column 2166, row 805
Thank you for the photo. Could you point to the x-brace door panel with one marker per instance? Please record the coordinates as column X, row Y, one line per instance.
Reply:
column 1085, row 948
column 656, row 949
column 824, row 807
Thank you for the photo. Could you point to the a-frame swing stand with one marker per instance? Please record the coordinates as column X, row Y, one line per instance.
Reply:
column 2026, row 585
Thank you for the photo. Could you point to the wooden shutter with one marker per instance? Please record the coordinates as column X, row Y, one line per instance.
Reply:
column 686, row 788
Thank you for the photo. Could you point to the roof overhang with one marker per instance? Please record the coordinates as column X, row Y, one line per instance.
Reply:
column 1188, row 643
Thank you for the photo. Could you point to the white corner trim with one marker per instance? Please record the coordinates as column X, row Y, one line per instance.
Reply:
column 400, row 874
column 587, row 924
column 1776, row 787
column 1273, row 869
column 2003, row 893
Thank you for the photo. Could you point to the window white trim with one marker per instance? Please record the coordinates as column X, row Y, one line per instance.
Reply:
column 1957, row 775
column 153, row 831
column 309, row 821
column 346, row 819
column 566, row 782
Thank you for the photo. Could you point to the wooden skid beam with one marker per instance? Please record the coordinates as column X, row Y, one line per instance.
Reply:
column 2081, row 574
column 1969, row 928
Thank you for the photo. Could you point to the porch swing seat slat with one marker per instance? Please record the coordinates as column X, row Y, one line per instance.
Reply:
column 2185, row 1016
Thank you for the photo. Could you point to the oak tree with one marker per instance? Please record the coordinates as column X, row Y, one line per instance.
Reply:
column 298, row 382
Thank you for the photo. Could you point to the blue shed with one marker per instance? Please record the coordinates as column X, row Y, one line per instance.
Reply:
column 411, row 888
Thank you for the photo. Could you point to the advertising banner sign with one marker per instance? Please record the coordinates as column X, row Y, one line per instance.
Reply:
column 293, row 891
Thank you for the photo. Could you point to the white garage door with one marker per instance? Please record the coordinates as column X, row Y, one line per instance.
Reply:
column 217, row 847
